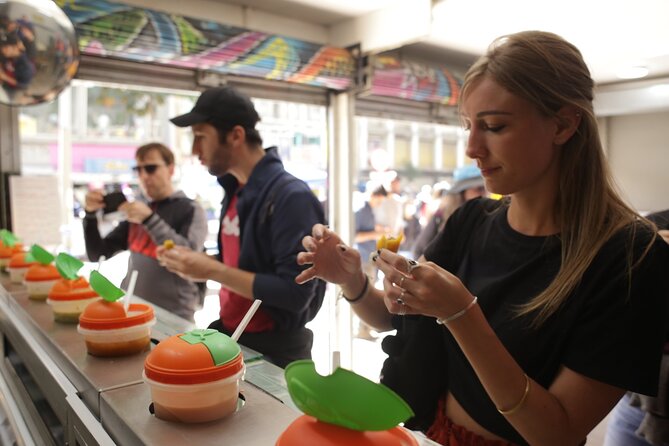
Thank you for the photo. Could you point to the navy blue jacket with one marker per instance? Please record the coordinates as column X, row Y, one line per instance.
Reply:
column 276, row 210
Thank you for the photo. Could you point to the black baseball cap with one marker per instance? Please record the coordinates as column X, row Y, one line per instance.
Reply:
column 222, row 106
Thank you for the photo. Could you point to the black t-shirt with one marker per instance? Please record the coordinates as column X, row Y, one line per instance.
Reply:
column 610, row 329
column 661, row 219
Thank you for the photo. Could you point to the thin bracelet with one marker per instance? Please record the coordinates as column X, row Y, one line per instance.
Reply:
column 359, row 296
column 451, row 318
column 515, row 408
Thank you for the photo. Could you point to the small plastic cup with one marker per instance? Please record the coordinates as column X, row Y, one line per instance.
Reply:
column 69, row 298
column 17, row 267
column 6, row 253
column 39, row 279
column 108, row 331
column 194, row 377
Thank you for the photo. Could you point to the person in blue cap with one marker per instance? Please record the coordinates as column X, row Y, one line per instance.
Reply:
column 265, row 213
column 468, row 184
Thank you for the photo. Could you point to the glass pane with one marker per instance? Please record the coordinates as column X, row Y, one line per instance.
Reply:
column 449, row 155
column 426, row 154
column 38, row 127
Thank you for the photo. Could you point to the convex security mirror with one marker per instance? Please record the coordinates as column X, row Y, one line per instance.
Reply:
column 39, row 54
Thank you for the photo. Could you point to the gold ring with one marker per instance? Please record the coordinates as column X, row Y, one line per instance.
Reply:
column 401, row 283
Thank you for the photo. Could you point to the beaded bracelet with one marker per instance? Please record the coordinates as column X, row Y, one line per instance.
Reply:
column 453, row 317
column 359, row 296
column 515, row 408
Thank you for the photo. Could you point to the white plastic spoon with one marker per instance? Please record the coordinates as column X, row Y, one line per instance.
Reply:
column 131, row 289
column 245, row 321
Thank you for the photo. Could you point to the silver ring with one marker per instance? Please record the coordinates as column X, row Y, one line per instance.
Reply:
column 412, row 265
column 401, row 282
column 403, row 310
column 400, row 300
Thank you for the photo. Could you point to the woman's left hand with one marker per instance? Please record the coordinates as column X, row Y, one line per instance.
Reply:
column 420, row 288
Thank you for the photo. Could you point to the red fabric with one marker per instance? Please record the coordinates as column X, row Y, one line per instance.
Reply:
column 234, row 306
column 447, row 433
column 140, row 241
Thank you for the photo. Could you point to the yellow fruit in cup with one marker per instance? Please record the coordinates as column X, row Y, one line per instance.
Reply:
column 390, row 243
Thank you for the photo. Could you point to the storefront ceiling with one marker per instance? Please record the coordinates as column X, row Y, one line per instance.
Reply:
column 612, row 35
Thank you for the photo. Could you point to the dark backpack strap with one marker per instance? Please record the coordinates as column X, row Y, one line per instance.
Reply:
column 277, row 187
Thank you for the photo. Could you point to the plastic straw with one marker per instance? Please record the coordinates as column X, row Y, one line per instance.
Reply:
column 131, row 288
column 247, row 318
column 100, row 260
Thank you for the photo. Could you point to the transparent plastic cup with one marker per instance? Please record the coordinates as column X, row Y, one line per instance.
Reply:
column 195, row 403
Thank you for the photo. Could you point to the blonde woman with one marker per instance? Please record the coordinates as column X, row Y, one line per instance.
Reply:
column 549, row 304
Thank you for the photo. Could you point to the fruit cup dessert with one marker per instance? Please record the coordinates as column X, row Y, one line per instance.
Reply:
column 9, row 245
column 18, row 266
column 6, row 253
column 41, row 276
column 108, row 329
column 390, row 243
column 343, row 409
column 69, row 297
column 71, row 294
column 194, row 377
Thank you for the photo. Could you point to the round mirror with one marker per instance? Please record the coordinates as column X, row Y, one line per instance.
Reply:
column 38, row 51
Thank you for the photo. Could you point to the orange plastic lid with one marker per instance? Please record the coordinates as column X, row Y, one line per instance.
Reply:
column 308, row 430
column 176, row 361
column 18, row 260
column 39, row 272
column 103, row 315
column 8, row 251
column 76, row 289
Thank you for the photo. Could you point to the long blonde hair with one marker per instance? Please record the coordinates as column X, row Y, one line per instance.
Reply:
column 550, row 73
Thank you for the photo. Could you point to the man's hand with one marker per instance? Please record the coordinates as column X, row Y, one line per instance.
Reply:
column 189, row 264
column 94, row 200
column 136, row 211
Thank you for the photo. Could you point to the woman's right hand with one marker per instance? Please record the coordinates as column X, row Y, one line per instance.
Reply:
column 330, row 259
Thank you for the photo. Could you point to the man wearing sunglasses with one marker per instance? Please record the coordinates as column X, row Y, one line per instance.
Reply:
column 265, row 213
column 161, row 214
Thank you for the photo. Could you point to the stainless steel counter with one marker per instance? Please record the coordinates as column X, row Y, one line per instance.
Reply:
column 259, row 421
column 49, row 371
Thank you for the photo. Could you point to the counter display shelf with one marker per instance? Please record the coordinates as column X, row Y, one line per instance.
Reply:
column 67, row 396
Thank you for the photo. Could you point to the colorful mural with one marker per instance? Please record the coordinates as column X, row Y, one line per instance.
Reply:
column 409, row 80
column 126, row 32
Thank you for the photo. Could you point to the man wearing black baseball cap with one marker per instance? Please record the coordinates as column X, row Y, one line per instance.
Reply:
column 265, row 213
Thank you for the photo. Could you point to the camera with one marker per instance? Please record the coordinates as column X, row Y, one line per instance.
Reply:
column 112, row 201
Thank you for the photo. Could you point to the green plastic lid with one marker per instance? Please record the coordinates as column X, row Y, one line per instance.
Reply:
column 345, row 398
column 222, row 348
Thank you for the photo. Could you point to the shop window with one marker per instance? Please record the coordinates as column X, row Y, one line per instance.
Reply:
column 449, row 154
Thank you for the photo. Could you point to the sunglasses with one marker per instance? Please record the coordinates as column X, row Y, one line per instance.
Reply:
column 148, row 168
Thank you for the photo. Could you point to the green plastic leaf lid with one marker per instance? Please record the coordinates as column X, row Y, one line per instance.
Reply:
column 40, row 255
column 104, row 287
column 222, row 348
column 68, row 266
column 8, row 238
column 345, row 398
